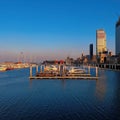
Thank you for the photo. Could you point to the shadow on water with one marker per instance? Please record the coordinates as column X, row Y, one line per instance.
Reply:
column 116, row 98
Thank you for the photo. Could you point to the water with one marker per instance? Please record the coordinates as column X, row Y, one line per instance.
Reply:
column 24, row 99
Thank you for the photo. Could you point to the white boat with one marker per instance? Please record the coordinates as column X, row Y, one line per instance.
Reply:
column 76, row 70
column 51, row 68
column 3, row 68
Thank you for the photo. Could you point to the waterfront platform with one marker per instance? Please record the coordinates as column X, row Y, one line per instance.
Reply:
column 66, row 77
column 57, row 76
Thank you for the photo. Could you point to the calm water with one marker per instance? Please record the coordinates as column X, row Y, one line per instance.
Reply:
column 24, row 99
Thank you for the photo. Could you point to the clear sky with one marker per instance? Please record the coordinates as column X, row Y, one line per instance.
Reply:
column 54, row 29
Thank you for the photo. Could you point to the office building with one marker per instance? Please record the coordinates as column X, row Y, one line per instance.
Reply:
column 117, row 43
column 91, row 51
column 100, row 41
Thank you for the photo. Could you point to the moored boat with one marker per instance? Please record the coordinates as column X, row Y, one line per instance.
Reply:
column 76, row 70
column 51, row 68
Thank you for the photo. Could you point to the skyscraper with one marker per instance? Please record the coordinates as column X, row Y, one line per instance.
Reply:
column 117, row 43
column 91, row 51
column 100, row 41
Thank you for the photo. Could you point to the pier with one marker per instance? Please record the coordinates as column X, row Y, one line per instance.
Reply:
column 62, row 73
column 115, row 67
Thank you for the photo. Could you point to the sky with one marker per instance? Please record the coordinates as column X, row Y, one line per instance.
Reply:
column 54, row 29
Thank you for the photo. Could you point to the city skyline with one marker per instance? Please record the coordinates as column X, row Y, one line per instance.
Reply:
column 54, row 29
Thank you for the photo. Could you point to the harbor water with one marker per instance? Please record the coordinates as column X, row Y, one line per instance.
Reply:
column 25, row 99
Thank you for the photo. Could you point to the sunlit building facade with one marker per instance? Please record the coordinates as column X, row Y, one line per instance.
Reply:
column 117, row 43
column 100, row 41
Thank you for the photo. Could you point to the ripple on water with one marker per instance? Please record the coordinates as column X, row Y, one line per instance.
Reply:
column 21, row 99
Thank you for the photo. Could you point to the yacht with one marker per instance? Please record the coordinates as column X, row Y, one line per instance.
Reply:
column 76, row 70
column 51, row 68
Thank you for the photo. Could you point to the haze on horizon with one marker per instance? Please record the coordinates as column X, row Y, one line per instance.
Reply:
column 54, row 29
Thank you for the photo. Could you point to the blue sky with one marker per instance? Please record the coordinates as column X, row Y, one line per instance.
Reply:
column 54, row 29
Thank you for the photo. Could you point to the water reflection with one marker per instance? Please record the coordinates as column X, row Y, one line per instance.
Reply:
column 63, row 83
column 101, row 86
column 30, row 83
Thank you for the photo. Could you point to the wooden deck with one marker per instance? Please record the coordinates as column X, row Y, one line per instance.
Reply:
column 66, row 77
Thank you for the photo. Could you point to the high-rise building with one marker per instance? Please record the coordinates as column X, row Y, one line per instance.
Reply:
column 100, row 41
column 91, row 51
column 117, row 43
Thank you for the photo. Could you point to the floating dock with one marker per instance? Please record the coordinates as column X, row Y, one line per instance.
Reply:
column 66, row 77
column 44, row 75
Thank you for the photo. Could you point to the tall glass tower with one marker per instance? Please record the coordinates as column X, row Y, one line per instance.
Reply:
column 91, row 51
column 117, row 43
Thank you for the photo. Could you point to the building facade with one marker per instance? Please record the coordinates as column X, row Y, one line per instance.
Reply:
column 117, row 43
column 91, row 51
column 100, row 41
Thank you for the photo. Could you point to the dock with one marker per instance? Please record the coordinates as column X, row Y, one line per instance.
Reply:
column 104, row 66
column 66, row 77
column 60, row 76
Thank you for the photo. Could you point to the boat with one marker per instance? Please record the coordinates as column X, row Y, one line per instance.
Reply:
column 76, row 70
column 51, row 68
column 3, row 68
